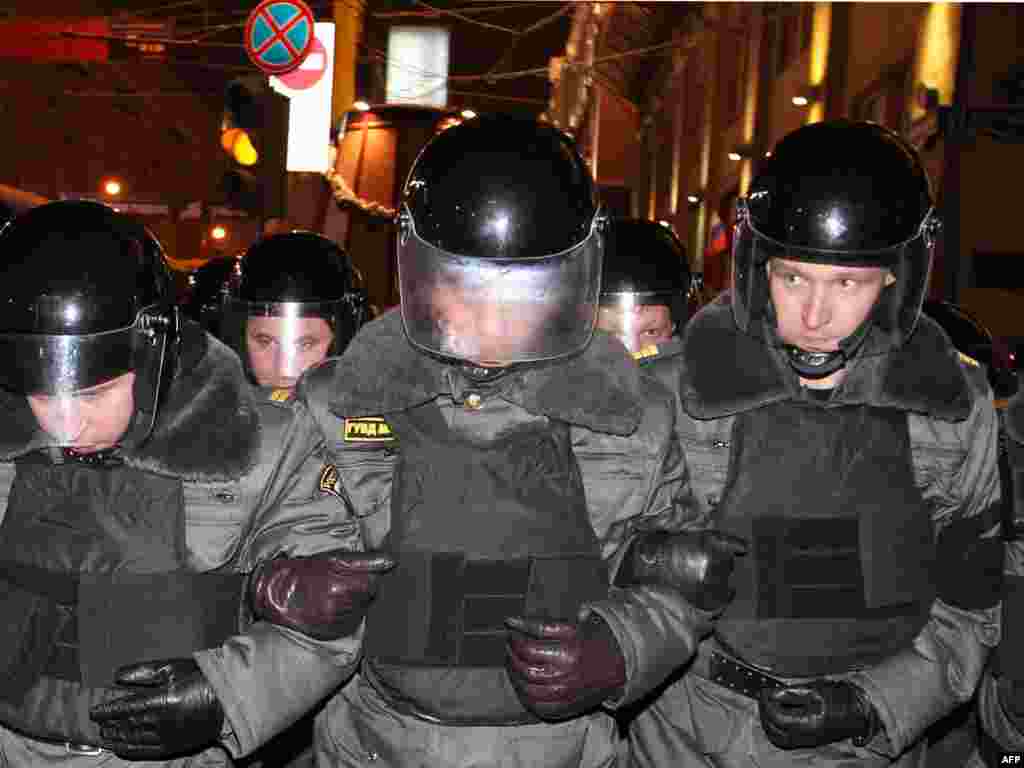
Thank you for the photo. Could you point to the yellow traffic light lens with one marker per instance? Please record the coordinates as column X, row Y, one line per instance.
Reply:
column 243, row 151
column 228, row 137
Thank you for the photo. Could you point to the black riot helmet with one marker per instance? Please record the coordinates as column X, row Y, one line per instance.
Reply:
column 500, row 243
column 283, row 283
column 209, row 287
column 839, row 193
column 85, row 297
column 645, row 265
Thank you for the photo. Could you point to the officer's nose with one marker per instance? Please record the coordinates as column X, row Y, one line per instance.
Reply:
column 287, row 361
column 817, row 309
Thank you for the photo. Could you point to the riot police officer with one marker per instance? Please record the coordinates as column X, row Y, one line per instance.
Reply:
column 645, row 283
column 291, row 302
column 839, row 430
column 286, row 304
column 1001, row 695
column 498, row 638
column 140, row 492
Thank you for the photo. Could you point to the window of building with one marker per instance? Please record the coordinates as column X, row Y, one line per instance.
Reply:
column 806, row 25
column 735, row 53
column 789, row 28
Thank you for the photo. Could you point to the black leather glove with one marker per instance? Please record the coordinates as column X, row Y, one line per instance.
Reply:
column 817, row 713
column 562, row 669
column 697, row 563
column 175, row 713
column 324, row 596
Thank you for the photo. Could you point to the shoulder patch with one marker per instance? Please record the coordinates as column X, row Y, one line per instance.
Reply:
column 367, row 429
column 968, row 360
column 329, row 482
column 647, row 350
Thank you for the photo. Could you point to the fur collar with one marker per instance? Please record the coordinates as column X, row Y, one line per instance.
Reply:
column 206, row 428
column 726, row 372
column 381, row 372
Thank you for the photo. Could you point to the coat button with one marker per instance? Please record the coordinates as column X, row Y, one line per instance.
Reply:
column 474, row 402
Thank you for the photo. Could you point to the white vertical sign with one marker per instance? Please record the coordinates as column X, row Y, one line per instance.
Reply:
column 310, row 88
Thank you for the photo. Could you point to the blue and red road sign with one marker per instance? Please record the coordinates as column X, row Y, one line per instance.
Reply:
column 279, row 35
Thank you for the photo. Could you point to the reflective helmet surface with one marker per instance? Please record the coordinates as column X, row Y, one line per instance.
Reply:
column 290, row 278
column 208, row 288
column 85, row 297
column 500, row 244
column 645, row 264
column 839, row 193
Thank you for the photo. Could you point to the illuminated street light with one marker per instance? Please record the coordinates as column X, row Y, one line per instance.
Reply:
column 218, row 232
column 112, row 187
column 469, row 114
column 361, row 105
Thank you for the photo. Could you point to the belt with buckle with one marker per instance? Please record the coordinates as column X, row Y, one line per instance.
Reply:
column 733, row 674
column 83, row 749
column 74, row 747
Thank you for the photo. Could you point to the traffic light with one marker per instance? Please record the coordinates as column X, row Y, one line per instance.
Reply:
column 254, row 134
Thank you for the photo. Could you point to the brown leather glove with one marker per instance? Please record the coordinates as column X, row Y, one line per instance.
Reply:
column 562, row 669
column 324, row 596
column 697, row 563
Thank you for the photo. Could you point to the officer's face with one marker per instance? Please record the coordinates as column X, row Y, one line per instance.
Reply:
column 482, row 329
column 818, row 305
column 87, row 420
column 281, row 348
column 637, row 326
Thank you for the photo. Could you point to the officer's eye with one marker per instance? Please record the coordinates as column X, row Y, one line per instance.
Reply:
column 791, row 279
column 263, row 341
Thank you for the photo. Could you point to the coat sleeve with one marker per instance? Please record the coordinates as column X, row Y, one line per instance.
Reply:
column 269, row 676
column 942, row 669
column 635, row 484
column 1007, row 668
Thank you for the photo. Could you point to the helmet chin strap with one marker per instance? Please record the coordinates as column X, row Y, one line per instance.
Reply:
column 483, row 374
column 812, row 364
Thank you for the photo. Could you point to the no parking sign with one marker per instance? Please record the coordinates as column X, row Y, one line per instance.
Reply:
column 279, row 35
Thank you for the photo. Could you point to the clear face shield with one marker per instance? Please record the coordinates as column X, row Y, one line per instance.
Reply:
column 498, row 312
column 280, row 340
column 85, row 391
column 638, row 320
column 835, row 280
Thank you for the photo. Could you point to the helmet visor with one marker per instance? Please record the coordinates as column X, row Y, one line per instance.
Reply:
column 279, row 340
column 57, row 363
column 78, row 387
column 499, row 311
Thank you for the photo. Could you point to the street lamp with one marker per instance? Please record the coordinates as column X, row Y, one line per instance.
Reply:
column 112, row 187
